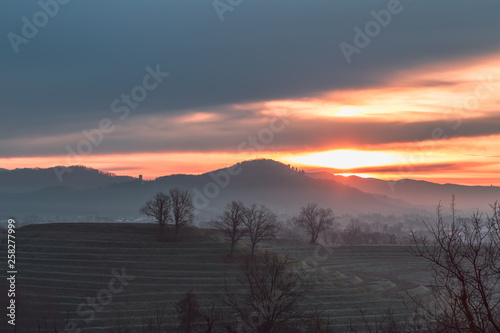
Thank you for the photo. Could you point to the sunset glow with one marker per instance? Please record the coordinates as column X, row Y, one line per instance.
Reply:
column 345, row 159
column 438, row 120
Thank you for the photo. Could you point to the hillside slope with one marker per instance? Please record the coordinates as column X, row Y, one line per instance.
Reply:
column 64, row 265
column 79, row 177
column 268, row 182
column 423, row 193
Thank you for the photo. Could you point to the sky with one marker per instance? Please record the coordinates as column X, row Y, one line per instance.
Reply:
column 386, row 89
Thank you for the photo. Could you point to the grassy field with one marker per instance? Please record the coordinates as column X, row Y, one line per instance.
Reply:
column 60, row 266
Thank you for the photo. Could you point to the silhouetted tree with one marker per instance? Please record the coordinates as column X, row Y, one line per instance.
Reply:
column 352, row 233
column 231, row 223
column 315, row 220
column 317, row 325
column 465, row 259
column 188, row 313
column 182, row 208
column 266, row 297
column 261, row 223
column 159, row 209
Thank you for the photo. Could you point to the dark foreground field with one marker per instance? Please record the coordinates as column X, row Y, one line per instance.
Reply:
column 62, row 268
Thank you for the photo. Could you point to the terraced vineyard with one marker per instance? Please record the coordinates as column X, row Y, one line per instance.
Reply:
column 63, row 266
column 350, row 280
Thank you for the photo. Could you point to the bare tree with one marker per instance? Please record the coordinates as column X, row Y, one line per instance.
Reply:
column 261, row 223
column 195, row 317
column 465, row 259
column 231, row 223
column 266, row 297
column 315, row 220
column 159, row 209
column 351, row 234
column 188, row 313
column 182, row 209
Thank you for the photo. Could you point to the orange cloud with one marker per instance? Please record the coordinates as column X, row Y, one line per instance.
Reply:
column 439, row 121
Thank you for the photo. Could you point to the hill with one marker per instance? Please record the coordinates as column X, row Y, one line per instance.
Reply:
column 89, row 193
column 422, row 193
column 79, row 177
column 64, row 265
column 277, row 185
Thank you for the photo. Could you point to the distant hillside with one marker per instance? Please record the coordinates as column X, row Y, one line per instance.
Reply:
column 421, row 192
column 80, row 177
column 268, row 182
column 283, row 188
column 89, row 192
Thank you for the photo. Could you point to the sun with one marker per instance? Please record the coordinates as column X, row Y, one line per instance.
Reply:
column 348, row 112
column 345, row 159
column 360, row 175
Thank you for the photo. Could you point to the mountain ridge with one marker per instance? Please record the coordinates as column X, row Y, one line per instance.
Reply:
column 80, row 177
column 281, row 187
column 421, row 192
